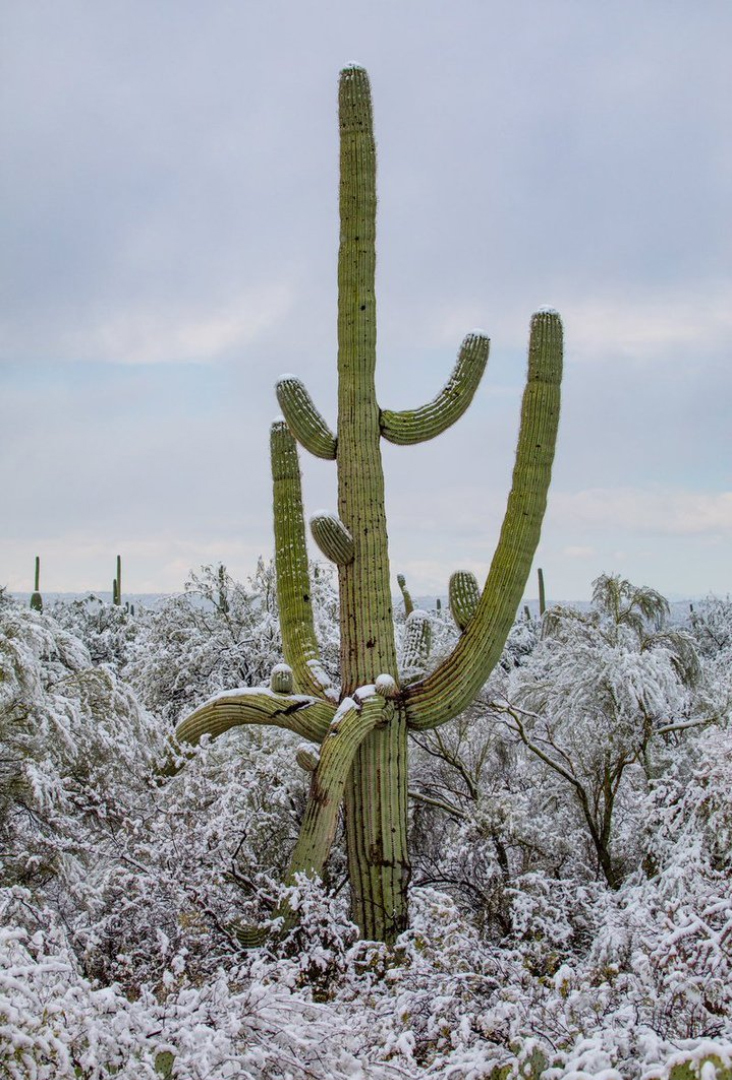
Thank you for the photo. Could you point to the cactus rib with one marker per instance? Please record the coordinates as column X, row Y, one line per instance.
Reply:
column 304, row 420
column 452, row 686
column 419, row 425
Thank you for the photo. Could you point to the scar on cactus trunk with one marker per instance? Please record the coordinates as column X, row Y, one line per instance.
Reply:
column 362, row 728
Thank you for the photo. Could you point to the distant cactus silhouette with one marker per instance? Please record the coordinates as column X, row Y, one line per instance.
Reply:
column 362, row 728
column 117, row 584
column 406, row 595
column 36, row 600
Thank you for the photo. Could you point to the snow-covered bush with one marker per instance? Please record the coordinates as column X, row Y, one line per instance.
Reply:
column 219, row 635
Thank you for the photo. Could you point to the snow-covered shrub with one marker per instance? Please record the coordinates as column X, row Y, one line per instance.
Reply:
column 219, row 635
column 108, row 631
column 71, row 735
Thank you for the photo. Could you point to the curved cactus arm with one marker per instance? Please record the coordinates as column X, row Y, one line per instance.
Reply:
column 416, row 647
column 406, row 595
column 356, row 718
column 304, row 420
column 418, row 425
column 464, row 594
column 452, row 686
column 332, row 537
column 307, row 716
column 294, row 597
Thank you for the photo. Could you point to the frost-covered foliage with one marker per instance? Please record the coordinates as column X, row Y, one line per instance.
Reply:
column 109, row 631
column 219, row 635
column 125, row 894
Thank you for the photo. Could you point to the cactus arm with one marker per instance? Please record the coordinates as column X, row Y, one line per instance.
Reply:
column 406, row 595
column 416, row 647
column 294, row 597
column 418, row 425
column 451, row 687
column 332, row 537
column 464, row 594
column 353, row 722
column 307, row 716
column 304, row 420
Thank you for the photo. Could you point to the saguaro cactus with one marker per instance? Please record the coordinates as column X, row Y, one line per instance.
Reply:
column 36, row 600
column 542, row 592
column 117, row 584
column 362, row 728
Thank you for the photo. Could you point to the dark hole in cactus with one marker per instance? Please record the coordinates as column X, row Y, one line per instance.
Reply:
column 370, row 643
column 306, row 598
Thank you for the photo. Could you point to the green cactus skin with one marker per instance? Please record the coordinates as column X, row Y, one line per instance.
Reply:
column 36, row 600
column 542, row 593
column 333, row 538
column 418, row 425
column 363, row 757
column 304, row 420
column 464, row 594
column 406, row 596
column 115, row 594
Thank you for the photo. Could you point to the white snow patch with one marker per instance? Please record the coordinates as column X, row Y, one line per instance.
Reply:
column 386, row 686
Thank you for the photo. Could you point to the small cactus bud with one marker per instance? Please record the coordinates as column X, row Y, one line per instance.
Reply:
column 281, row 681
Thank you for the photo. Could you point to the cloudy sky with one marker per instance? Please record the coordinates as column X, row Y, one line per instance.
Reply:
column 169, row 241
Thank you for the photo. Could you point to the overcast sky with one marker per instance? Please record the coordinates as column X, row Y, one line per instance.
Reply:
column 169, row 242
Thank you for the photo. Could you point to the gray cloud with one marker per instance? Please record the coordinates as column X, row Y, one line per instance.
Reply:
column 169, row 242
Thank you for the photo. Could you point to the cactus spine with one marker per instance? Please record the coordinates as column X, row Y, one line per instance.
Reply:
column 362, row 730
column 36, row 600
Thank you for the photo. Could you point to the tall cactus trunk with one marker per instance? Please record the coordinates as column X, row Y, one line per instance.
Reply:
column 377, row 842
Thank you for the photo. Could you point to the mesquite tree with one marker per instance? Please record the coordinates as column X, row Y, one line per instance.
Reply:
column 362, row 727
